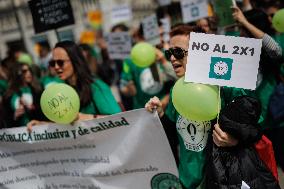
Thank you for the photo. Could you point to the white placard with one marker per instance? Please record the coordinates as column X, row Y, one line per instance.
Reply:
column 127, row 150
column 118, row 45
column 166, row 24
column 223, row 60
column 193, row 10
column 121, row 13
column 244, row 185
column 164, row 2
column 151, row 29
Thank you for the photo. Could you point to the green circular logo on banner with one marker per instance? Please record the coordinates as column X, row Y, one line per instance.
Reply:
column 165, row 181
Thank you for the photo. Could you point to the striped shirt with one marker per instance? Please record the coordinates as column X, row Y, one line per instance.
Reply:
column 271, row 47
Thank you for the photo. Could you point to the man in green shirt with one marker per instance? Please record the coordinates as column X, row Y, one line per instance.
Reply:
column 140, row 84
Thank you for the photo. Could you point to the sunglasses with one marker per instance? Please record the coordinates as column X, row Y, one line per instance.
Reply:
column 25, row 71
column 59, row 62
column 177, row 52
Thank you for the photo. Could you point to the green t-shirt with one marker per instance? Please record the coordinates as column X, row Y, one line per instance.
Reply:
column 47, row 80
column 279, row 38
column 144, row 82
column 27, row 97
column 193, row 137
column 103, row 101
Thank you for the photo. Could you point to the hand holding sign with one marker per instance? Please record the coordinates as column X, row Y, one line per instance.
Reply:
column 238, row 15
column 60, row 103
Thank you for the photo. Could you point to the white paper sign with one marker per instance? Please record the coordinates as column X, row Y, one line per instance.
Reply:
column 166, row 24
column 118, row 45
column 223, row 60
column 121, row 13
column 193, row 10
column 151, row 29
column 164, row 2
column 244, row 185
column 127, row 150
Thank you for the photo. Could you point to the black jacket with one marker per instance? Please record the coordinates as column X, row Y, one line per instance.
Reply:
column 228, row 167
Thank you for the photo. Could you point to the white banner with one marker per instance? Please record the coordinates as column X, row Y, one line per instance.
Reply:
column 118, row 45
column 123, row 151
column 223, row 60
column 193, row 10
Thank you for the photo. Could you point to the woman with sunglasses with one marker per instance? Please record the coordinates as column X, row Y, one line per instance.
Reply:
column 70, row 66
column 192, row 155
column 50, row 78
column 22, row 97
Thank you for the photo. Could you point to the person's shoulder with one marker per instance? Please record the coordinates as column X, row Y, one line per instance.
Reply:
column 98, row 83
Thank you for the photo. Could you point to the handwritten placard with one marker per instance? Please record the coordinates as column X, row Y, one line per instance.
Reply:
column 151, row 29
column 51, row 14
column 166, row 26
column 121, row 13
column 164, row 2
column 118, row 45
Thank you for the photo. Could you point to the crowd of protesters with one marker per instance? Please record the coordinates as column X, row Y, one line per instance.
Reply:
column 108, row 86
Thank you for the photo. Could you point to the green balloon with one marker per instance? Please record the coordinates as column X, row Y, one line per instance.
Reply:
column 196, row 101
column 278, row 20
column 143, row 54
column 25, row 59
column 60, row 103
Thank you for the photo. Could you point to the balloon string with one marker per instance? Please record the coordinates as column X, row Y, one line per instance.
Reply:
column 219, row 101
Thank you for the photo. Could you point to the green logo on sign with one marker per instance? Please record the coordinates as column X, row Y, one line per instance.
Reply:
column 220, row 68
column 165, row 181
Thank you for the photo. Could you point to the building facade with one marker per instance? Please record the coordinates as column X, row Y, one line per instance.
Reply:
column 16, row 24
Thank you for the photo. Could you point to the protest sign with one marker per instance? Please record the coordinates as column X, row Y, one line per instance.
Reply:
column 224, row 12
column 164, row 2
column 193, row 10
column 151, row 29
column 119, row 45
column 223, row 60
column 121, row 13
column 166, row 25
column 127, row 150
column 51, row 14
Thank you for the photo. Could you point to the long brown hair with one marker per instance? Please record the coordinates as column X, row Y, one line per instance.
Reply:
column 184, row 29
column 16, row 81
column 81, row 69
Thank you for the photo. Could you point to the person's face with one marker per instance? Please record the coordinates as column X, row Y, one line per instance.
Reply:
column 179, row 64
column 43, row 52
column 270, row 12
column 203, row 23
column 62, row 64
column 26, row 74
